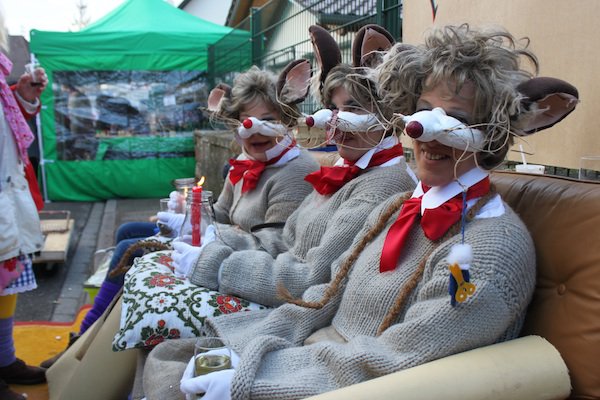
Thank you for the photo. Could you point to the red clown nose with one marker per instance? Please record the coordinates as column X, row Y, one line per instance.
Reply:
column 247, row 123
column 414, row 129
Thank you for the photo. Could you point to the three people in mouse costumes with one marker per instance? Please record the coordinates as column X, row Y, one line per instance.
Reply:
column 443, row 269
column 371, row 168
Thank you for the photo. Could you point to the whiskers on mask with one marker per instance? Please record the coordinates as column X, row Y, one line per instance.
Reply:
column 336, row 123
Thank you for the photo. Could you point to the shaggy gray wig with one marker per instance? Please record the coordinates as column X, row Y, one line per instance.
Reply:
column 490, row 60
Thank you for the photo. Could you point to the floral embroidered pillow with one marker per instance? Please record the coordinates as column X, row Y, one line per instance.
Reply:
column 158, row 306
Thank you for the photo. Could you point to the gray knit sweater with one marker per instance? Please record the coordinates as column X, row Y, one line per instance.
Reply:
column 279, row 191
column 275, row 364
column 316, row 234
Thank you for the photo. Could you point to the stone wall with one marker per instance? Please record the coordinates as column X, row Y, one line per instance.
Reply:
column 213, row 150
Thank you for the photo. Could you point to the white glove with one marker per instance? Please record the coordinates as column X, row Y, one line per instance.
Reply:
column 215, row 386
column 184, row 258
column 176, row 202
column 210, row 235
column 173, row 221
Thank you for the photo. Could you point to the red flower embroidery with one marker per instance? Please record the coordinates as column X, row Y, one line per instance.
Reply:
column 154, row 340
column 165, row 260
column 152, row 337
column 162, row 280
column 229, row 304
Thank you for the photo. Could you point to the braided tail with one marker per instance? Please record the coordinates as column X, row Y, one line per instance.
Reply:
column 348, row 263
column 148, row 246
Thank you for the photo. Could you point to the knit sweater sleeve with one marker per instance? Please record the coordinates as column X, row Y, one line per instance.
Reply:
column 256, row 275
column 429, row 328
column 224, row 202
column 283, row 192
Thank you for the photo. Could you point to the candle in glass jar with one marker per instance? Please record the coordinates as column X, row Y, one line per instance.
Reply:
column 196, row 215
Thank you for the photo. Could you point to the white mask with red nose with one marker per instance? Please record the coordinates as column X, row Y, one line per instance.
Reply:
column 251, row 126
column 429, row 125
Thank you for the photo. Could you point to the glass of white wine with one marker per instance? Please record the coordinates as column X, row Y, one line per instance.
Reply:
column 211, row 354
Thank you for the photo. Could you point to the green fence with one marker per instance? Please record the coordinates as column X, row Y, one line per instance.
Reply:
column 279, row 34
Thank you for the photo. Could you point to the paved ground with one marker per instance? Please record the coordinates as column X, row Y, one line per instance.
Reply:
column 60, row 291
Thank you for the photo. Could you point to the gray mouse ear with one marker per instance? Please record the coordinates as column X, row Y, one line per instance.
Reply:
column 369, row 44
column 553, row 99
column 216, row 95
column 294, row 82
column 327, row 52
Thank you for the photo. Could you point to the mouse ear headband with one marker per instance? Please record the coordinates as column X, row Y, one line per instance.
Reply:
column 553, row 99
column 216, row 96
column 293, row 82
column 369, row 44
column 327, row 55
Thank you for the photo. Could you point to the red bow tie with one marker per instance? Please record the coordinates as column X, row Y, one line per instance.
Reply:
column 329, row 179
column 250, row 170
column 435, row 222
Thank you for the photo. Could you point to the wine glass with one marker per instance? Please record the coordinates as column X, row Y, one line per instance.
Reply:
column 211, row 354
column 164, row 207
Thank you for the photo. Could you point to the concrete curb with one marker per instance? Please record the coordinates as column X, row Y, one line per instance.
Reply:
column 72, row 295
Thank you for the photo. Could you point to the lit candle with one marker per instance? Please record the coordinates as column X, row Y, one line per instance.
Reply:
column 196, row 214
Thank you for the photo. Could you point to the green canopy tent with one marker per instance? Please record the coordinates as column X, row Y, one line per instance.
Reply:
column 123, row 100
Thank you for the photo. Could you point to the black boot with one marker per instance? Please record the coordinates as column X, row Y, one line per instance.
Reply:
column 7, row 394
column 49, row 362
column 22, row 374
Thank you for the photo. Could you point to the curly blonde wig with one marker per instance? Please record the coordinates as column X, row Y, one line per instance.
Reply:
column 256, row 85
column 359, row 86
column 491, row 60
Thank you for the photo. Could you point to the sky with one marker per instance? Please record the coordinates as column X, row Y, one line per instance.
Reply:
column 20, row 16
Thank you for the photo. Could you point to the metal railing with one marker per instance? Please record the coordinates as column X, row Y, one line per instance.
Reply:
column 279, row 34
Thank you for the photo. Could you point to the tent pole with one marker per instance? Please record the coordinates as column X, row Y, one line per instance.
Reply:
column 38, row 125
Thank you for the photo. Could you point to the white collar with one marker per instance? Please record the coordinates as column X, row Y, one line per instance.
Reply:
column 438, row 195
column 364, row 161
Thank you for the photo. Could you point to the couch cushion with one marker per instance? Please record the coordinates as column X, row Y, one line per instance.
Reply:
column 563, row 216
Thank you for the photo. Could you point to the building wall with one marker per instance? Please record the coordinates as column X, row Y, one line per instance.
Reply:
column 18, row 54
column 564, row 35
column 209, row 10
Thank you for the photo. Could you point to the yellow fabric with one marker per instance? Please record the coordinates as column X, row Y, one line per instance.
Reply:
column 8, row 305
column 38, row 341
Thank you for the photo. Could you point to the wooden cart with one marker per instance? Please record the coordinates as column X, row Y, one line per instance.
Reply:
column 57, row 227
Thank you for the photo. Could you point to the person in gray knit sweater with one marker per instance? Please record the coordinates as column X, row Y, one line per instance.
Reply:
column 443, row 270
column 265, row 183
column 322, row 227
column 371, row 168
